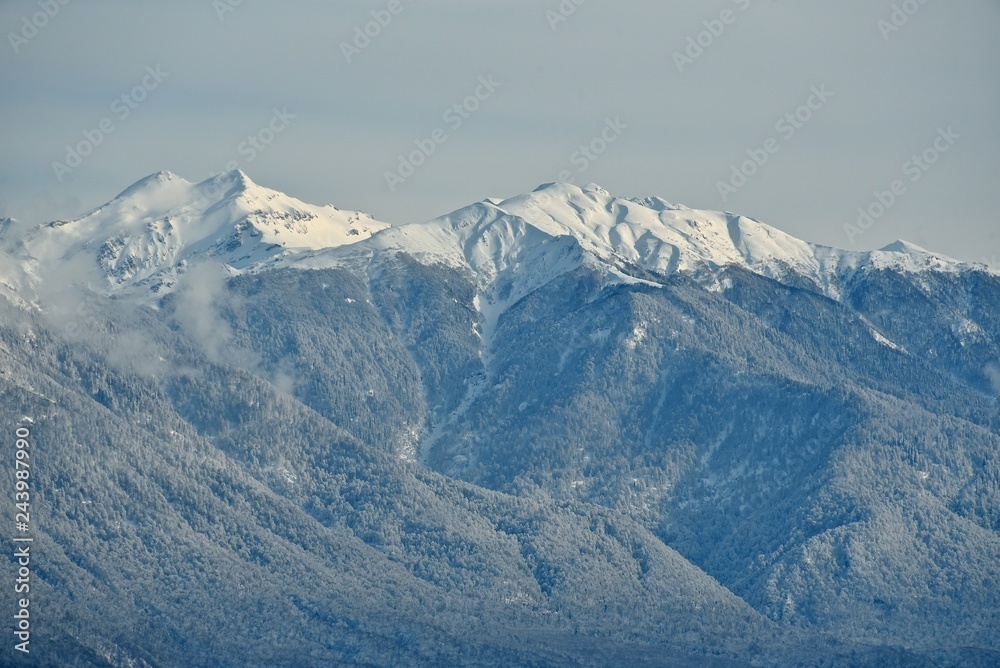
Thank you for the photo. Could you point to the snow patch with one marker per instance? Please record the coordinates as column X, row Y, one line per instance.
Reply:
column 878, row 336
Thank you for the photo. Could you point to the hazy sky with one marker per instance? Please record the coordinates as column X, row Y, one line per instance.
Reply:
column 199, row 77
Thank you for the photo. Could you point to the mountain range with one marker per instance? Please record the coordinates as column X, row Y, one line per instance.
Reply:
column 563, row 428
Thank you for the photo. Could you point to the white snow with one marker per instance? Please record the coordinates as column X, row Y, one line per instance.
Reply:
column 881, row 338
column 150, row 232
column 516, row 245
column 146, row 237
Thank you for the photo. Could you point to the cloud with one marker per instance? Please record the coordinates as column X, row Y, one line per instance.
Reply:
column 200, row 297
column 84, row 318
column 284, row 382
column 993, row 375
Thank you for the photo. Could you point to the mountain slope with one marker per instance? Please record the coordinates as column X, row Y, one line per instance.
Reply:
column 558, row 429
column 517, row 245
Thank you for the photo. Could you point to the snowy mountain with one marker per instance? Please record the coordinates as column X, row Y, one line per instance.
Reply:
column 517, row 245
column 505, row 238
column 147, row 235
column 563, row 428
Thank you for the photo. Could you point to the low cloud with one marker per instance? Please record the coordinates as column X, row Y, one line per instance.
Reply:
column 200, row 298
column 993, row 375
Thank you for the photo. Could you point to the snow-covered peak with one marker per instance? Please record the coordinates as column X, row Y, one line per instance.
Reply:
column 153, row 229
column 835, row 265
column 655, row 234
column 152, row 183
column 481, row 237
column 900, row 246
column 910, row 258
column 665, row 238
column 656, row 203
column 146, row 237
column 515, row 245
column 507, row 255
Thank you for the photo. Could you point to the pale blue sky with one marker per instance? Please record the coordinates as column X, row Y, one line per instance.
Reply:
column 892, row 92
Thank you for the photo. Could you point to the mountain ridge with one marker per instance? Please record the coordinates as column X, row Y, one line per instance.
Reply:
column 147, row 234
